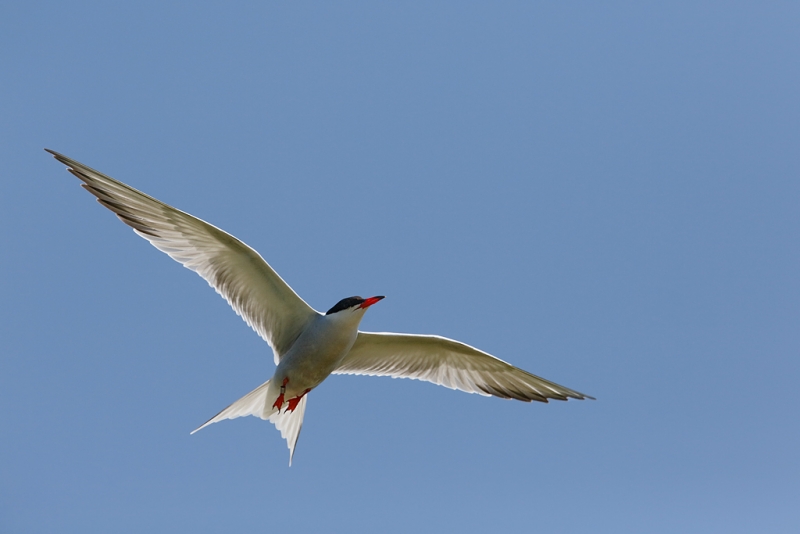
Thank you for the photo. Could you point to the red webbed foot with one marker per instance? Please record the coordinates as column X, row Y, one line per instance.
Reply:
column 295, row 401
column 279, row 401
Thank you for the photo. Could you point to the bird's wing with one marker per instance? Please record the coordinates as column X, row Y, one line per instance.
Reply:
column 448, row 363
column 234, row 270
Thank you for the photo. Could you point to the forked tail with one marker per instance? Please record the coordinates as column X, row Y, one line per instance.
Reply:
column 255, row 403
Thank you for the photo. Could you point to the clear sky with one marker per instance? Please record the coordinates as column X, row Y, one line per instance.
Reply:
column 605, row 194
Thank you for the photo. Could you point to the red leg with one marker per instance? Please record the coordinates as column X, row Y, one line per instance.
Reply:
column 279, row 400
column 295, row 401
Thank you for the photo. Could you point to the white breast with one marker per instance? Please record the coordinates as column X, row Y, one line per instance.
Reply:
column 318, row 351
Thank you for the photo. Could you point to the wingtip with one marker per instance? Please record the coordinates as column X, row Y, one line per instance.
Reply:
column 60, row 157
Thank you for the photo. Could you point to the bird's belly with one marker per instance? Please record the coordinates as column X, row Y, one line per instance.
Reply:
column 308, row 364
column 308, row 373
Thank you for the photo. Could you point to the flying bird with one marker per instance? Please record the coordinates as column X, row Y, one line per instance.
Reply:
column 308, row 346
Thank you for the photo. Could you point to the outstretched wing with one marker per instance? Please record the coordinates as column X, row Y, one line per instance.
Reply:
column 234, row 270
column 448, row 363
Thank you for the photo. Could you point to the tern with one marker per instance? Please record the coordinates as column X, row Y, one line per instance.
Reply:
column 308, row 346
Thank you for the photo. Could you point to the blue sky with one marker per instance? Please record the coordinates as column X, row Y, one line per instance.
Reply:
column 604, row 195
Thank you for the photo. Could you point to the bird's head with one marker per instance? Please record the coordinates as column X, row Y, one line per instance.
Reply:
column 353, row 304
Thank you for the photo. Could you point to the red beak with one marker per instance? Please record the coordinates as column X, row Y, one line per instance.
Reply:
column 370, row 301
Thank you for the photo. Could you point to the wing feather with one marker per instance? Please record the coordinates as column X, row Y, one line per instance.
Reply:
column 237, row 272
column 448, row 363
